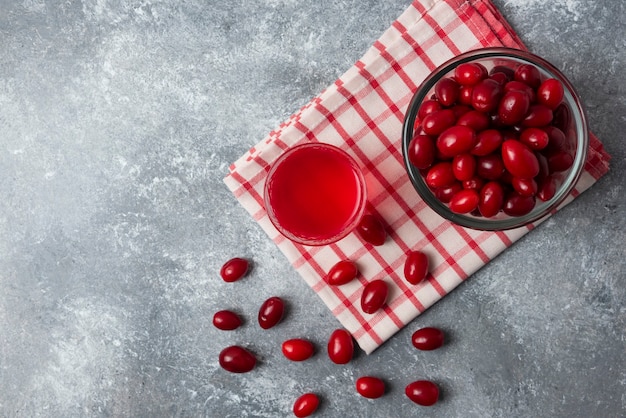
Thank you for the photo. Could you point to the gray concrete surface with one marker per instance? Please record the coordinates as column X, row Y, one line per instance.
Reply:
column 118, row 120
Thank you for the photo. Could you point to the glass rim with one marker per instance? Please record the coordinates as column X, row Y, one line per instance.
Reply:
column 359, row 205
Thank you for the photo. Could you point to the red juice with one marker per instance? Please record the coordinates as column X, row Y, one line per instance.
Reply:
column 315, row 194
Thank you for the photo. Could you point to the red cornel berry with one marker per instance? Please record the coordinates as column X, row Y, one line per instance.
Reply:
column 226, row 320
column 422, row 392
column 271, row 312
column 236, row 359
column 340, row 346
column 370, row 387
column 372, row 230
column 234, row 269
column 341, row 273
column 306, row 405
column 415, row 267
column 428, row 338
column 374, row 296
column 298, row 349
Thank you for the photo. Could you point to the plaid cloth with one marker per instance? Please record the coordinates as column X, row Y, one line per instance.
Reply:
column 362, row 113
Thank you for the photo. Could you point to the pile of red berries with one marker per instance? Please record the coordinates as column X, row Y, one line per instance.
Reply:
column 493, row 141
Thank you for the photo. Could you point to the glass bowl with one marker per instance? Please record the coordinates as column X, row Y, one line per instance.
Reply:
column 569, row 117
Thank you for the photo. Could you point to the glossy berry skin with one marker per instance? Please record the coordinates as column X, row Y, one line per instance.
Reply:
column 341, row 273
column 456, row 140
column 538, row 115
column 445, row 194
column 271, row 312
column 428, row 338
column 234, row 269
column 491, row 199
column 560, row 161
column 438, row 121
column 421, row 151
column 475, row 120
column 513, row 107
column 298, row 349
column 490, row 167
column 547, row 188
column 519, row 160
column 340, row 346
column 528, row 74
column 534, row 138
column 519, row 86
column 470, row 73
column 226, row 320
column 440, row 175
column 488, row 141
column 306, row 405
column 415, row 267
column 486, row 95
column 464, row 166
column 236, row 359
column 507, row 71
column 428, row 107
column 374, row 296
column 464, row 201
column 517, row 205
column 447, row 91
column 550, row 93
column 370, row 387
column 524, row 187
column 422, row 392
column 475, row 183
column 371, row 230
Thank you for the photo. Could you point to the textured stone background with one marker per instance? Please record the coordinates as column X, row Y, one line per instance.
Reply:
column 118, row 120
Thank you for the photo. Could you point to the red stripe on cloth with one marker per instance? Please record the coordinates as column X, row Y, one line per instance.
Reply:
column 497, row 23
column 406, row 79
column 419, row 51
column 398, row 26
column 436, row 285
column 367, row 329
column 448, row 258
column 441, row 32
column 472, row 243
column 504, row 238
column 487, row 37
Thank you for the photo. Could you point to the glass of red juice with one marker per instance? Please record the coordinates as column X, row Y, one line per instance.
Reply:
column 315, row 194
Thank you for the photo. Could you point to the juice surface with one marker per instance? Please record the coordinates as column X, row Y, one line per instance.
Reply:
column 315, row 193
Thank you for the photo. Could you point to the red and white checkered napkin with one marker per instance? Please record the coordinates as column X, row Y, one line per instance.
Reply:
column 362, row 112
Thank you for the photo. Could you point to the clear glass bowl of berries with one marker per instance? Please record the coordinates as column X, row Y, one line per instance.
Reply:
column 495, row 139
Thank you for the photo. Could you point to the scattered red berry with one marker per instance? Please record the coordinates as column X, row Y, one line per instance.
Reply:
column 340, row 346
column 271, row 312
column 226, row 320
column 427, row 339
column 298, row 349
column 234, row 269
column 370, row 387
column 341, row 273
column 374, row 296
column 372, row 230
column 422, row 392
column 306, row 405
column 236, row 359
column 415, row 267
